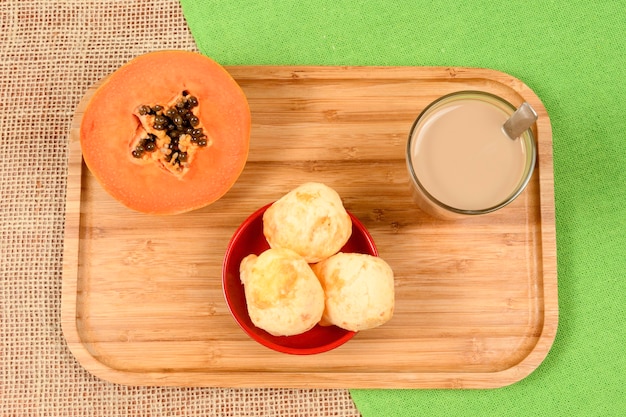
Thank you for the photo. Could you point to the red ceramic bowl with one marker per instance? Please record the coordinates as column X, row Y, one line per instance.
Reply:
column 248, row 239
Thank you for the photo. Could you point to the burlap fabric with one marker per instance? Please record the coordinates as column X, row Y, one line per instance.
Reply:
column 51, row 51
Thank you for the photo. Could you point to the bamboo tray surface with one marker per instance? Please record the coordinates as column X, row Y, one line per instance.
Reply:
column 476, row 300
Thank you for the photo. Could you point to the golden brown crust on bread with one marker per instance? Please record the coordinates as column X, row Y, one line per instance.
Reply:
column 311, row 220
column 359, row 290
column 283, row 295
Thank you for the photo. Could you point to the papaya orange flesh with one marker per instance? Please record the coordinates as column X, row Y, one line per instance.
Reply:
column 135, row 159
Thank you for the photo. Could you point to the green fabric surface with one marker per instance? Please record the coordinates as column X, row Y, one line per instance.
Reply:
column 573, row 55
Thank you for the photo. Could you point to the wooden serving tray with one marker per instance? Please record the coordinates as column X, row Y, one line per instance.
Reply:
column 476, row 300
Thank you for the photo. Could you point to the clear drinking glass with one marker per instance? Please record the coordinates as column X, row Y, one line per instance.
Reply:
column 460, row 161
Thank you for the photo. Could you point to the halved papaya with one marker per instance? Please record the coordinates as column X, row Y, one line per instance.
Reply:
column 167, row 133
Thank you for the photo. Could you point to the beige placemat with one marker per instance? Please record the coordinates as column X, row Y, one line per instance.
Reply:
column 50, row 52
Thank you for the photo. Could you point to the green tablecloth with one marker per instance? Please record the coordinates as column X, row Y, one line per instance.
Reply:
column 574, row 57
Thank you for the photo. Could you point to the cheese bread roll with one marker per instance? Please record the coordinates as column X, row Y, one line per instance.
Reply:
column 359, row 290
column 283, row 295
column 310, row 220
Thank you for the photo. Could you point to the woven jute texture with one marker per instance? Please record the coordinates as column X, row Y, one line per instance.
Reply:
column 51, row 52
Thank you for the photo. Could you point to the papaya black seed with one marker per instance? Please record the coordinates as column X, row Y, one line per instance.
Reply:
column 194, row 121
column 193, row 101
column 149, row 146
column 184, row 113
column 138, row 151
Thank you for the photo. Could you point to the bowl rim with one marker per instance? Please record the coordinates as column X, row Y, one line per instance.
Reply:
column 241, row 229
